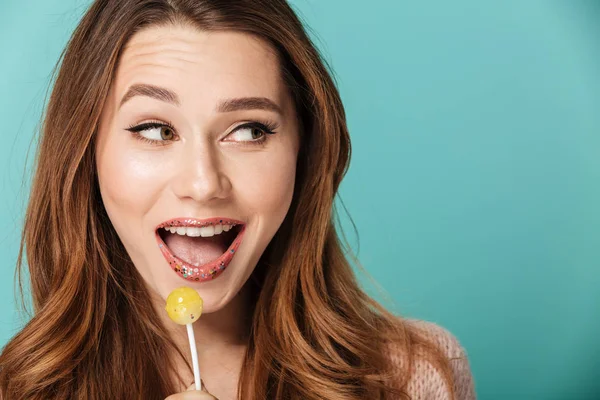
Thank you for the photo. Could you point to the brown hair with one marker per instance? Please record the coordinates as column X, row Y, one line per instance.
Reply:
column 314, row 333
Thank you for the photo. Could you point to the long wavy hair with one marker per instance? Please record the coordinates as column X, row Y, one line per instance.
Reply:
column 93, row 334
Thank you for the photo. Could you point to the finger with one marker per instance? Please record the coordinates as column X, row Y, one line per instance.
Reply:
column 191, row 395
column 193, row 386
column 204, row 391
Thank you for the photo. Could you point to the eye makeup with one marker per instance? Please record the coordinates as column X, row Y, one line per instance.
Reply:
column 265, row 126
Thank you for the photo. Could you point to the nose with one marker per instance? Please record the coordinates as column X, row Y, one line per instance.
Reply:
column 200, row 175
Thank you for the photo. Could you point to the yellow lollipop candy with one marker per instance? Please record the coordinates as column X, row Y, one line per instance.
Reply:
column 184, row 305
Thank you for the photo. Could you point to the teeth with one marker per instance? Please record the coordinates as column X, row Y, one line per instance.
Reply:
column 205, row 231
column 193, row 232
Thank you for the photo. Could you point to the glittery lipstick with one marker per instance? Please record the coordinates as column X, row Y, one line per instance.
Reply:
column 206, row 271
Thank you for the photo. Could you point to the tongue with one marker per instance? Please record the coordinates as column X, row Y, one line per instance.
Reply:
column 196, row 250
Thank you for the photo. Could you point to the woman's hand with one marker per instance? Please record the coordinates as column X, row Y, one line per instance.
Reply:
column 192, row 394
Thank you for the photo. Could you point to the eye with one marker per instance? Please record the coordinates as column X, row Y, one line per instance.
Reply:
column 248, row 133
column 161, row 133
column 252, row 132
column 154, row 131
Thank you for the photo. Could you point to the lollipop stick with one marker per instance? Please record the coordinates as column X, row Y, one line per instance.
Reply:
column 190, row 332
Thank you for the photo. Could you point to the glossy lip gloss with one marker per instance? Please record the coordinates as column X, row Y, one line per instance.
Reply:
column 206, row 271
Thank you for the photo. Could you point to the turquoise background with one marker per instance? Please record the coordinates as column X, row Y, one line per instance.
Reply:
column 474, row 183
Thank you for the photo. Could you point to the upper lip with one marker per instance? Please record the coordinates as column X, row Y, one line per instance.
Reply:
column 194, row 222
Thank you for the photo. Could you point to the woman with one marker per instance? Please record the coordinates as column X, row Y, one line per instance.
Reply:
column 180, row 132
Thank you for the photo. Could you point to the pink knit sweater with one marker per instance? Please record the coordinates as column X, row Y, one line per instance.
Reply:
column 426, row 383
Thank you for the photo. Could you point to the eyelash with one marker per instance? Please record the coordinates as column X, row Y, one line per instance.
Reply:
column 267, row 127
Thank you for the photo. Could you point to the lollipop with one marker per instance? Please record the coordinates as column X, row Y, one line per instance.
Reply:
column 184, row 306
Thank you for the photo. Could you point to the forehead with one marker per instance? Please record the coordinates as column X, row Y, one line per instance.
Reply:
column 200, row 66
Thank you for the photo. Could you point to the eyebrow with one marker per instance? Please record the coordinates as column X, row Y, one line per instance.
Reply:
column 228, row 105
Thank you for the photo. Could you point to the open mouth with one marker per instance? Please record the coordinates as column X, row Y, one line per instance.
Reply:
column 199, row 250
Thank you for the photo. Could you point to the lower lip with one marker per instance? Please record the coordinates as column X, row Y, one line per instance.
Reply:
column 205, row 272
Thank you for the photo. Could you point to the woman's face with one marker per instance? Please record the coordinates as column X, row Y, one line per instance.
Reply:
column 183, row 144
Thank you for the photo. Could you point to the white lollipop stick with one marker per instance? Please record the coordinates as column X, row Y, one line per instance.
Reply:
column 184, row 306
column 190, row 332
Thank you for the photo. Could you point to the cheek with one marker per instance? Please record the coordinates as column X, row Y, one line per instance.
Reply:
column 268, row 190
column 128, row 188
